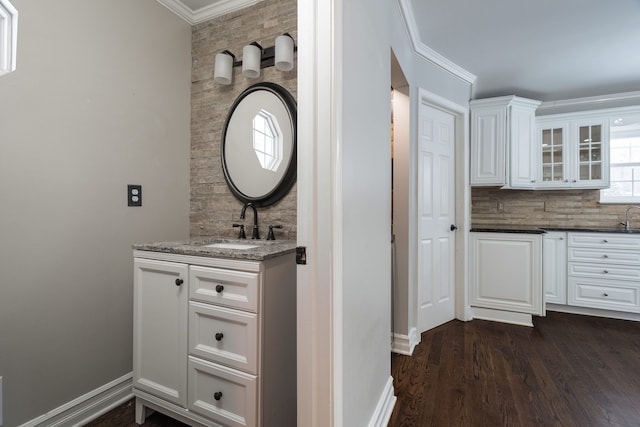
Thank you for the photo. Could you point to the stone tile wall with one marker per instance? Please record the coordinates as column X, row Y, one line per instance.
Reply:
column 213, row 207
column 561, row 208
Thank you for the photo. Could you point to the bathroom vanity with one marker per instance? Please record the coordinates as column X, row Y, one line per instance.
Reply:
column 215, row 332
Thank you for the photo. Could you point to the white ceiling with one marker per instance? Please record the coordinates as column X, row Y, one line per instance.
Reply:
column 541, row 49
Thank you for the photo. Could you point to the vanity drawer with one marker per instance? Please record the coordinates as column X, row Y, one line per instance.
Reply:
column 225, row 336
column 604, row 240
column 604, row 271
column 603, row 256
column 236, row 391
column 235, row 289
column 610, row 295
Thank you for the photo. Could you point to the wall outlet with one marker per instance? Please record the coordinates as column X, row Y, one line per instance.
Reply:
column 134, row 195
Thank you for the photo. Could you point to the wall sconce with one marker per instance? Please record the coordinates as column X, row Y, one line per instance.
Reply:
column 255, row 57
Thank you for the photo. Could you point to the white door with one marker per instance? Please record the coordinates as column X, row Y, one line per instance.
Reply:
column 436, row 217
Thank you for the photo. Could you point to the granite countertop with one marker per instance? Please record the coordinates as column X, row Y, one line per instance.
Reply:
column 541, row 230
column 197, row 247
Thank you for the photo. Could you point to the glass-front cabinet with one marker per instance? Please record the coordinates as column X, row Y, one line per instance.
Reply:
column 573, row 152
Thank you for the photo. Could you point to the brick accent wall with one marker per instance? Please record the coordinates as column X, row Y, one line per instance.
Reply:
column 566, row 208
column 213, row 207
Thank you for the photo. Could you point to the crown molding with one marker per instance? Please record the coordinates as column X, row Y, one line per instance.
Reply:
column 425, row 51
column 215, row 9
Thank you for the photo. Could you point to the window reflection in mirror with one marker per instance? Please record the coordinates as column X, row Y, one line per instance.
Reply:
column 267, row 140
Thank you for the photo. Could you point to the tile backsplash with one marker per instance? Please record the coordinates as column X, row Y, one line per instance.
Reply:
column 213, row 207
column 561, row 208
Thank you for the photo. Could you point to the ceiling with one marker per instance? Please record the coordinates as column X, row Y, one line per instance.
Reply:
column 542, row 49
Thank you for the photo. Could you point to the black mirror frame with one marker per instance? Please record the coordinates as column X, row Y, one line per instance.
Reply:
column 289, row 178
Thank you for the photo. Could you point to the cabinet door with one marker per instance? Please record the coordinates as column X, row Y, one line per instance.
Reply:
column 160, row 329
column 506, row 272
column 552, row 149
column 554, row 267
column 488, row 140
column 591, row 151
column 523, row 158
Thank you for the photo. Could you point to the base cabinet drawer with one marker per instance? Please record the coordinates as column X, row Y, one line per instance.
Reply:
column 222, row 394
column 604, row 271
column 225, row 336
column 608, row 295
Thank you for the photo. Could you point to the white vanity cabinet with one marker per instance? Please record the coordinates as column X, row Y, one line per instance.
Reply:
column 215, row 339
column 573, row 152
column 554, row 267
column 506, row 274
column 604, row 271
column 503, row 149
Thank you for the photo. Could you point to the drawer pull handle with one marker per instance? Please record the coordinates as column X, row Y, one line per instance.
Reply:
column 606, row 272
column 605, row 241
column 219, row 336
column 179, row 282
column 605, row 295
column 217, row 395
column 605, row 256
column 219, row 289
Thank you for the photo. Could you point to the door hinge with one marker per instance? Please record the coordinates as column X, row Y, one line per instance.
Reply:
column 301, row 255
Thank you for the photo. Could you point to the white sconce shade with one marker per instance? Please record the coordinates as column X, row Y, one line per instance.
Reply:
column 251, row 56
column 223, row 69
column 284, row 53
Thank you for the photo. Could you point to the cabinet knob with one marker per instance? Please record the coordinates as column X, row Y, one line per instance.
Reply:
column 575, row 180
column 219, row 336
column 606, row 272
column 219, row 288
column 533, row 181
column 566, row 180
column 605, row 295
column 217, row 395
column 179, row 282
column 605, row 241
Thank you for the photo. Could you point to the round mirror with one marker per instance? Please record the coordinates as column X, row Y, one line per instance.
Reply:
column 259, row 144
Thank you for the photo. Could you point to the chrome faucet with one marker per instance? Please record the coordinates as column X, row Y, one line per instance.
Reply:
column 255, row 234
column 627, row 224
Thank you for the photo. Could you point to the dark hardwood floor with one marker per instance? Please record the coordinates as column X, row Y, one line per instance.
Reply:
column 568, row 370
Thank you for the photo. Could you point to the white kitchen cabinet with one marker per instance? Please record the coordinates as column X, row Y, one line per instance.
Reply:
column 215, row 339
column 573, row 152
column 554, row 267
column 506, row 272
column 503, row 148
column 604, row 271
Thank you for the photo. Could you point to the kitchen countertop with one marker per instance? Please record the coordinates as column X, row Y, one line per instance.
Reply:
column 197, row 247
column 542, row 230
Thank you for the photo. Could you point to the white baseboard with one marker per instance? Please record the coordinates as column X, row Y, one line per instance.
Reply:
column 404, row 344
column 593, row 312
column 514, row 318
column 87, row 407
column 385, row 405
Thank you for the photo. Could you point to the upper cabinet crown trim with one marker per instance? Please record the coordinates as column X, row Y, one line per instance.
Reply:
column 186, row 9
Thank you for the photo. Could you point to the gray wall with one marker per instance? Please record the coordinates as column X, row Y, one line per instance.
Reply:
column 365, row 191
column 213, row 207
column 100, row 99
column 420, row 74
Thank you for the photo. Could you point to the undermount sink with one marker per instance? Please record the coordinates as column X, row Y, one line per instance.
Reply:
column 227, row 245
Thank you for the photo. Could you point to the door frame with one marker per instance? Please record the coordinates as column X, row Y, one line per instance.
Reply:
column 462, row 201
